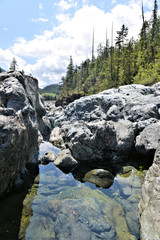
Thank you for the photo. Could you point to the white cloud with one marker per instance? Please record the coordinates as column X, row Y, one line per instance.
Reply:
column 72, row 36
column 114, row 1
column 6, row 57
column 64, row 5
column 62, row 17
column 40, row 6
column 5, row 29
column 39, row 20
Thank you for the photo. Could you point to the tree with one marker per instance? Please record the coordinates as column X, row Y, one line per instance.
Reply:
column 144, row 28
column 122, row 34
column 154, row 25
column 68, row 80
column 13, row 65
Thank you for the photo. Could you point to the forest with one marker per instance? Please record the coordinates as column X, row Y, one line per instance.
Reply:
column 128, row 61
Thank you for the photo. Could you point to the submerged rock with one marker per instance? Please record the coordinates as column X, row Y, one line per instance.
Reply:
column 100, row 177
column 69, row 210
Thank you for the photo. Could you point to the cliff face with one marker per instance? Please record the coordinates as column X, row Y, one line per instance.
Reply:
column 21, row 114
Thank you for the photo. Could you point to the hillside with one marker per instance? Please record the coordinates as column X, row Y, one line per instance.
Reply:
column 2, row 70
column 50, row 92
column 53, row 88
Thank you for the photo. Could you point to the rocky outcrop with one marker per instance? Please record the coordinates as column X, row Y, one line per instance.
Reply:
column 21, row 116
column 149, row 206
column 111, row 124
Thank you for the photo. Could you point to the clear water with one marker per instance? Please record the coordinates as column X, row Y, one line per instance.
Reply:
column 59, row 207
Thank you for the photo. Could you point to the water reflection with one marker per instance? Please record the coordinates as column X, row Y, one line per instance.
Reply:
column 59, row 207
column 65, row 208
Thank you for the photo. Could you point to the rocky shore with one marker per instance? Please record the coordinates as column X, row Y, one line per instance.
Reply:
column 115, row 128
column 111, row 127
column 22, row 122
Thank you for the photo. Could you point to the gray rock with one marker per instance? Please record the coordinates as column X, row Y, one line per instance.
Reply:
column 47, row 158
column 149, row 206
column 21, row 108
column 105, row 125
column 149, row 139
column 56, row 138
column 65, row 161
column 112, row 125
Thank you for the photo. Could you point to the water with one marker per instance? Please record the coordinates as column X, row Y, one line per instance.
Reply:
column 59, row 207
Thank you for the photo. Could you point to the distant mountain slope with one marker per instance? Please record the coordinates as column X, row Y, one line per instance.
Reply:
column 2, row 70
column 53, row 88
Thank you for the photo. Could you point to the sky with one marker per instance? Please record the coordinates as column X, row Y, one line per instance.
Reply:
column 43, row 34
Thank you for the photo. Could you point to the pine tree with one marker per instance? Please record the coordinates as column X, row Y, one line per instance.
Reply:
column 13, row 65
column 144, row 28
column 154, row 23
column 68, row 80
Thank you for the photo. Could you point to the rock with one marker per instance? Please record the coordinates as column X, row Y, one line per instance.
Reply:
column 149, row 206
column 47, row 158
column 111, row 127
column 105, row 125
column 56, row 138
column 100, row 177
column 21, row 109
column 149, row 139
column 65, row 161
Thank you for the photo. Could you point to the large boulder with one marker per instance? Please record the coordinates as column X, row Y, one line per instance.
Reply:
column 112, row 126
column 149, row 206
column 21, row 110
column 149, row 139
column 105, row 125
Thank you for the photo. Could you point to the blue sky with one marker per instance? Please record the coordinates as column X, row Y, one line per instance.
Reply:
column 42, row 34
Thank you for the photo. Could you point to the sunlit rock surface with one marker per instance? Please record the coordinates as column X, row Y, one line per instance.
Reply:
column 21, row 115
column 109, row 125
column 149, row 207
column 112, row 126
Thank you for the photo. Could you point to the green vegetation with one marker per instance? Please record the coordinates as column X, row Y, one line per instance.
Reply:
column 49, row 96
column 50, row 92
column 54, row 88
column 129, row 61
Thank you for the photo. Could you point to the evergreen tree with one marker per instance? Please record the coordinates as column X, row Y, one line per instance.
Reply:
column 144, row 28
column 154, row 28
column 13, row 65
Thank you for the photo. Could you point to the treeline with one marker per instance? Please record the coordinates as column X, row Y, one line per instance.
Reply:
column 128, row 61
